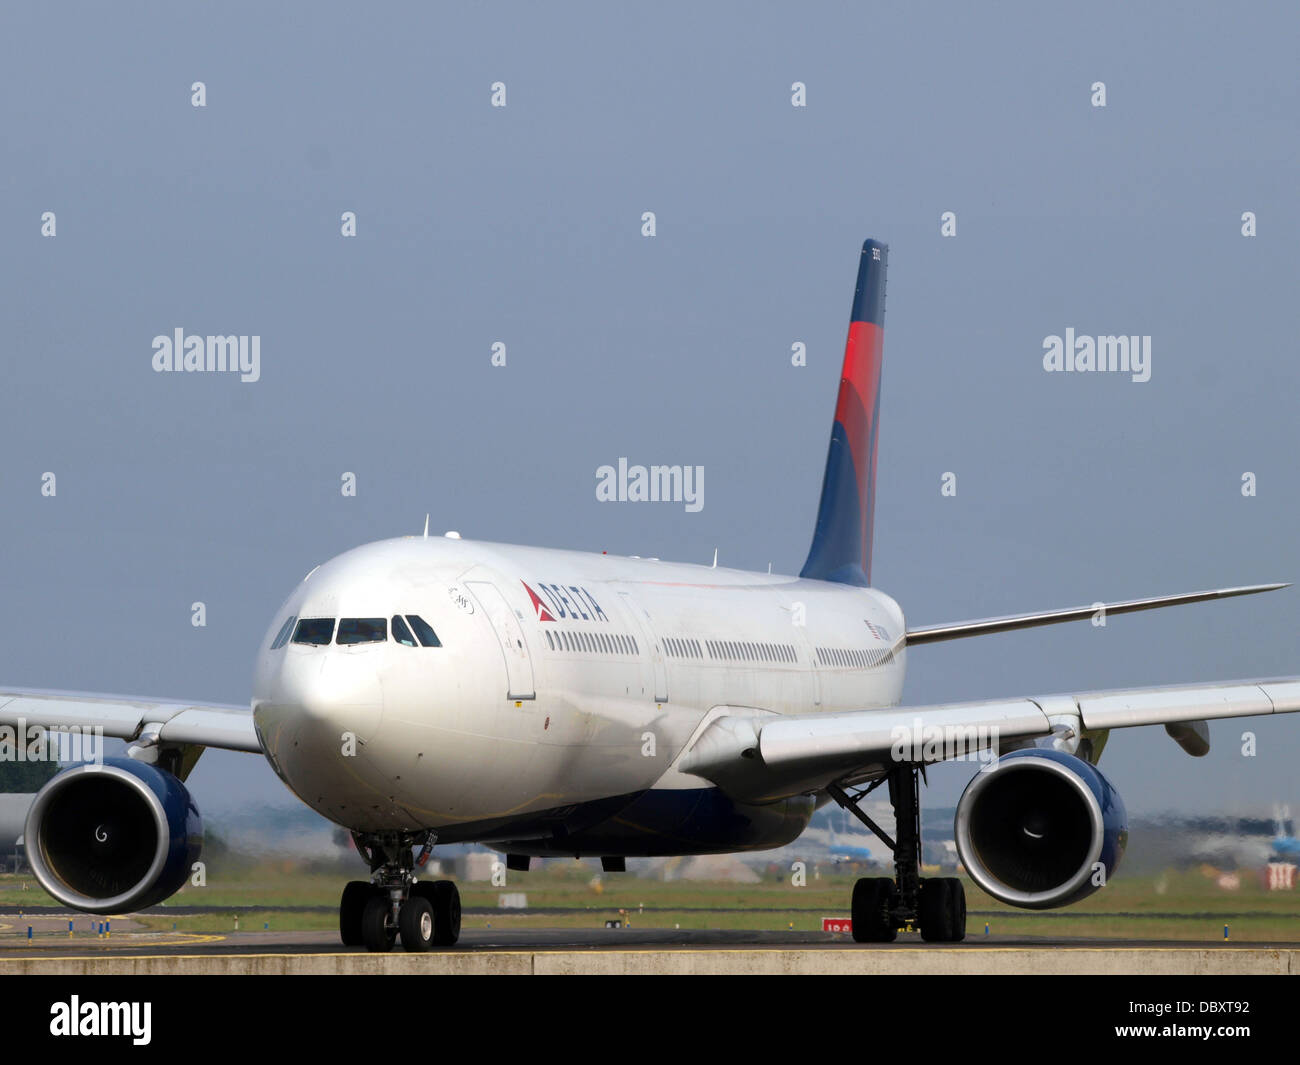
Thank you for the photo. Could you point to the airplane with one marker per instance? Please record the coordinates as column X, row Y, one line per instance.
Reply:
column 13, row 816
column 844, row 852
column 1239, row 842
column 1285, row 844
column 431, row 690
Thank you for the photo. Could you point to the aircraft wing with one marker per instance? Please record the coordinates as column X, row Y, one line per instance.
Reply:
column 129, row 717
column 986, row 626
column 773, row 756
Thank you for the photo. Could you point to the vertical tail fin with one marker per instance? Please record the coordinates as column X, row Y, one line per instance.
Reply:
column 841, row 547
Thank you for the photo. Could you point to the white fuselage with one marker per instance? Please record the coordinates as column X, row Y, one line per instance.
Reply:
column 564, row 680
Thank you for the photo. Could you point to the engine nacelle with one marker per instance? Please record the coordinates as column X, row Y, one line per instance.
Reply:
column 113, row 837
column 1040, row 828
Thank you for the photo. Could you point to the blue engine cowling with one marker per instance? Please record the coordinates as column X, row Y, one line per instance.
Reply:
column 113, row 837
column 1040, row 828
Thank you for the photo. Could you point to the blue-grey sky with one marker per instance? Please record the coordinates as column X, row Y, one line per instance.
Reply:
column 522, row 225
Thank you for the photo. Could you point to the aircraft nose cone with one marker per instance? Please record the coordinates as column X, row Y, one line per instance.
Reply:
column 324, row 698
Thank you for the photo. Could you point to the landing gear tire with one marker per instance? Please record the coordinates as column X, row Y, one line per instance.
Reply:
column 958, row 897
column 376, row 935
column 416, row 924
column 355, row 896
column 394, row 902
column 445, row 900
column 941, row 910
column 873, row 899
column 446, row 913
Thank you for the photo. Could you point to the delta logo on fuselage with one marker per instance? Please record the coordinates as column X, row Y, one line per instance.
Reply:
column 557, row 601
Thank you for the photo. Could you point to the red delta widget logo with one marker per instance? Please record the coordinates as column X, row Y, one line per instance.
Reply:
column 554, row 602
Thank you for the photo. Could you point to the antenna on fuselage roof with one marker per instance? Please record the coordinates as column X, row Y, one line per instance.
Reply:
column 715, row 558
column 426, row 526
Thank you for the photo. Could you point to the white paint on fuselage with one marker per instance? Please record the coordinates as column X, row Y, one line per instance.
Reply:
column 439, row 744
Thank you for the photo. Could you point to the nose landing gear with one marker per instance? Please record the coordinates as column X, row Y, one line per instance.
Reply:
column 373, row 914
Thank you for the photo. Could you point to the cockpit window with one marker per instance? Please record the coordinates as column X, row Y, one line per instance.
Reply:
column 428, row 637
column 282, row 637
column 401, row 634
column 362, row 630
column 315, row 631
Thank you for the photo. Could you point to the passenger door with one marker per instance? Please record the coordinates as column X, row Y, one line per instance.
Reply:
column 510, row 634
column 646, row 638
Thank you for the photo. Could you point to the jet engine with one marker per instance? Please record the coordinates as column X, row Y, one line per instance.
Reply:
column 1040, row 828
column 113, row 837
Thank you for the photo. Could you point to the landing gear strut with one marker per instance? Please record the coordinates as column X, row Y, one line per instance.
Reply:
column 880, row 905
column 374, row 913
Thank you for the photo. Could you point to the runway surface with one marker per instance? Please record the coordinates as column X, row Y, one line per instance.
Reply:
column 122, row 940
column 125, row 949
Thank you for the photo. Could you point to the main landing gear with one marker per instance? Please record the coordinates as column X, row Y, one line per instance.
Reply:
column 881, row 906
column 374, row 913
